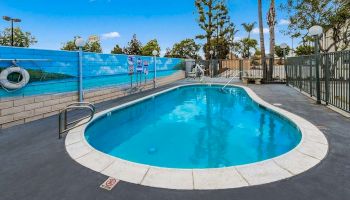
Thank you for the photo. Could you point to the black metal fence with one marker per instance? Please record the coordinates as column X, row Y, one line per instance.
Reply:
column 324, row 76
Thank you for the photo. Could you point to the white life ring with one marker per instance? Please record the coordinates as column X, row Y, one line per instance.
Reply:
column 12, row 85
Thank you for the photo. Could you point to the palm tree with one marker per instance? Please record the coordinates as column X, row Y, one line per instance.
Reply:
column 249, row 27
column 262, row 40
column 271, row 21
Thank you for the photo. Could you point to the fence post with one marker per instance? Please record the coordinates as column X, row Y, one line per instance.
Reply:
column 317, row 64
column 310, row 74
column 300, row 78
column 285, row 66
column 240, row 69
column 326, row 68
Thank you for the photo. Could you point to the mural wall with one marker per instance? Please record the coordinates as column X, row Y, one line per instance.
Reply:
column 57, row 71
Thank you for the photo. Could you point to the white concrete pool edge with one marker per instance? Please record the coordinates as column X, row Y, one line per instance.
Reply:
column 312, row 148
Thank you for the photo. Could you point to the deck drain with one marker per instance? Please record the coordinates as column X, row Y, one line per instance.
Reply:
column 109, row 184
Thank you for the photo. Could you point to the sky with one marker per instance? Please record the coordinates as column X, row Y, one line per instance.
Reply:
column 56, row 21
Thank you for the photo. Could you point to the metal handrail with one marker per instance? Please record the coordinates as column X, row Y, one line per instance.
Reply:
column 63, row 119
column 230, row 80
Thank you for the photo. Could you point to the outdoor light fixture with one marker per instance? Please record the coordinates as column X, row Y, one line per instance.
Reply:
column 155, row 54
column 284, row 46
column 12, row 20
column 315, row 30
column 79, row 42
column 211, row 52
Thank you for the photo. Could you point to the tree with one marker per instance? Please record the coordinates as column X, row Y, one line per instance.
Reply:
column 94, row 46
column 304, row 50
column 248, row 27
column 150, row 47
column 117, row 50
column 280, row 52
column 209, row 20
column 244, row 45
column 223, row 47
column 247, row 42
column 20, row 38
column 262, row 40
column 271, row 21
column 90, row 46
column 134, row 46
column 184, row 49
column 70, row 45
column 332, row 15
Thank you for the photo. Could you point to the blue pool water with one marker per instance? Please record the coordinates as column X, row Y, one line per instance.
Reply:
column 70, row 85
column 194, row 127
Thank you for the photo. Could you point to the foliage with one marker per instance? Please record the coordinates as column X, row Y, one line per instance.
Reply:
column 332, row 15
column 248, row 27
column 184, row 49
column 222, row 48
column 245, row 45
column 304, row 50
column 70, row 45
column 117, row 50
column 134, row 47
column 94, row 46
column 213, row 19
column 280, row 52
column 21, row 39
column 150, row 47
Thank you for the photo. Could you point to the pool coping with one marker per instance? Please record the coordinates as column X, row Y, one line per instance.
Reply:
column 312, row 148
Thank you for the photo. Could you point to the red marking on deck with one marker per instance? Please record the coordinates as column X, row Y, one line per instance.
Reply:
column 109, row 184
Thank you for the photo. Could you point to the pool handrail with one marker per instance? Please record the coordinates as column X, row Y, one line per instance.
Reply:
column 63, row 124
column 231, row 80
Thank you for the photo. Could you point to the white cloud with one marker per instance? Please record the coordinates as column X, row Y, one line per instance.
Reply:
column 256, row 31
column 110, row 35
column 284, row 22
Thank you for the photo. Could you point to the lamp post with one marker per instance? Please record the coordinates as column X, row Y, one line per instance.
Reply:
column 79, row 42
column 211, row 52
column 155, row 53
column 284, row 46
column 12, row 20
column 316, row 32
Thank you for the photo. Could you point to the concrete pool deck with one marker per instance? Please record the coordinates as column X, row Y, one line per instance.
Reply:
column 309, row 152
column 35, row 164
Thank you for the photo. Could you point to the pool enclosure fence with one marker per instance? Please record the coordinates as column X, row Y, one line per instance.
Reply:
column 332, row 85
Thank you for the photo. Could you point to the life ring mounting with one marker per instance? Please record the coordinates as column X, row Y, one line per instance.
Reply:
column 4, row 82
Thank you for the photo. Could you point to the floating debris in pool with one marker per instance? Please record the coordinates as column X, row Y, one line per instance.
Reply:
column 152, row 150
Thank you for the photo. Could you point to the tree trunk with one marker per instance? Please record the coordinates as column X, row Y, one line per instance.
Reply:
column 262, row 40
column 271, row 18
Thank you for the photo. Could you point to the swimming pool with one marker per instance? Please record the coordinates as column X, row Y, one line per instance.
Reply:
column 194, row 127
